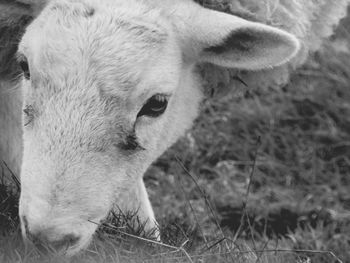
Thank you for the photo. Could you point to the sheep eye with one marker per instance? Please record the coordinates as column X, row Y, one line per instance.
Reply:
column 25, row 68
column 155, row 106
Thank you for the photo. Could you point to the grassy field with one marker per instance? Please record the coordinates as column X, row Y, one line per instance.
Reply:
column 264, row 176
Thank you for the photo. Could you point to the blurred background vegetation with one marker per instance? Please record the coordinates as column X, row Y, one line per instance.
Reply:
column 261, row 170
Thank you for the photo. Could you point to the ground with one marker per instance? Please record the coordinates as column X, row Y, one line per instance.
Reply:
column 264, row 176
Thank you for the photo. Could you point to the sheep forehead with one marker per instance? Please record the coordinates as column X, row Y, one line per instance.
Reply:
column 81, row 39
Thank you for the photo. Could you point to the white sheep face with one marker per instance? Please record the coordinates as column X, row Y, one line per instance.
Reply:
column 91, row 75
column 109, row 88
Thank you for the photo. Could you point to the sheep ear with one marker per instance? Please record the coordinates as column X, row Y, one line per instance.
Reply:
column 230, row 41
column 14, row 17
column 251, row 46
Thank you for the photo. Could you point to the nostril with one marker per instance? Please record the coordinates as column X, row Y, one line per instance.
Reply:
column 25, row 224
column 34, row 238
column 71, row 239
column 66, row 242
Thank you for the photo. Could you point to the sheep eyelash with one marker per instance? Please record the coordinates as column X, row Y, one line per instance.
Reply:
column 29, row 112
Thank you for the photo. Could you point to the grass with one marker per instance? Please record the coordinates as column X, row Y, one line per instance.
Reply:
column 264, row 176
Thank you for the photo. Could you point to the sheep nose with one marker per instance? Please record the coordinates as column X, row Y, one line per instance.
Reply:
column 44, row 241
column 43, row 244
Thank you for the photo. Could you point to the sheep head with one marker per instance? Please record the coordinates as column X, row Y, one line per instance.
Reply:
column 108, row 86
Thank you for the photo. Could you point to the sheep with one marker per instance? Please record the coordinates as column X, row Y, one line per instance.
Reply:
column 108, row 86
